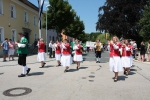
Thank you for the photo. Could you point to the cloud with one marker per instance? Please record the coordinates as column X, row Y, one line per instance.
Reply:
column 46, row 2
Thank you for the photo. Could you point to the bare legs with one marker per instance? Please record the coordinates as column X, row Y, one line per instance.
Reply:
column 58, row 63
column 11, row 56
column 126, row 70
column 148, row 57
column 116, row 77
column 66, row 70
column 142, row 58
column 78, row 65
column 42, row 64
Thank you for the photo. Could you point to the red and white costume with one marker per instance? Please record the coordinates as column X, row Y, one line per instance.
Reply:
column 126, row 59
column 58, row 51
column 78, row 52
column 115, row 60
column 41, row 52
column 66, row 55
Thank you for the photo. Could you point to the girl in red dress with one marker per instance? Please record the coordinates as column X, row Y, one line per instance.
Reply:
column 41, row 52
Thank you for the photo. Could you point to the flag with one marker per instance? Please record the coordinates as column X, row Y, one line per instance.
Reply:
column 40, row 4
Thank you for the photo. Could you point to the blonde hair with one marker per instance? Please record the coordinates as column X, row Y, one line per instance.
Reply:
column 41, row 39
column 116, row 38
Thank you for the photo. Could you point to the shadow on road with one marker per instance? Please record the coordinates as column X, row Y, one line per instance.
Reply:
column 72, row 70
column 83, row 67
column 48, row 66
column 133, row 70
column 122, row 78
column 35, row 73
column 131, row 73
column 1, row 73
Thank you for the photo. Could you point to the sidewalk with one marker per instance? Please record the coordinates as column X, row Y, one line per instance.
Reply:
column 145, row 62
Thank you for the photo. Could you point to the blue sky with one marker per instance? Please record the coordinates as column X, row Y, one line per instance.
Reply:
column 86, row 9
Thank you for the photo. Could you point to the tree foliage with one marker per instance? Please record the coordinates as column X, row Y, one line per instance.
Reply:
column 145, row 23
column 120, row 17
column 61, row 16
column 76, row 28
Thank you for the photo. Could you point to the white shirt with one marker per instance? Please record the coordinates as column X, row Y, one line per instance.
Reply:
column 50, row 45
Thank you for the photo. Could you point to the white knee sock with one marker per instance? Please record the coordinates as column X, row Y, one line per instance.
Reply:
column 26, row 67
column 97, row 59
column 24, row 70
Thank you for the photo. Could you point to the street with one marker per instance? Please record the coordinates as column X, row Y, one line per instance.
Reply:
column 92, row 82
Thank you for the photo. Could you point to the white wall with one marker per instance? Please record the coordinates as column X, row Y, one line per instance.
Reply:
column 50, row 34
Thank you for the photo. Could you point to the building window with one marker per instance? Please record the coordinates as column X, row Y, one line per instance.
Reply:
column 34, row 20
column 12, row 11
column 50, row 38
column 1, row 34
column 13, row 35
column 35, row 36
column 25, row 16
column 53, row 38
column 1, row 6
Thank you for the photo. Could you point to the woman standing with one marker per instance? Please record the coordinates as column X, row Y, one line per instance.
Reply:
column 148, row 51
column 78, row 54
column 142, row 51
column 11, row 49
column 41, row 52
column 115, row 60
column 66, row 55
column 58, row 52
column 126, row 57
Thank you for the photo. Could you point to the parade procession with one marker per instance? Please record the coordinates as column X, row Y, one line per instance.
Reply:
column 74, row 49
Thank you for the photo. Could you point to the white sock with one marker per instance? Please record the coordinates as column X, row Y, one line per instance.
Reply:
column 24, row 70
column 26, row 67
column 97, row 59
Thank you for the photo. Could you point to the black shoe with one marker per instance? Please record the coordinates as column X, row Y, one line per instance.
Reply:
column 124, row 72
column 65, row 71
column 28, row 71
column 97, row 62
column 22, row 75
column 77, row 68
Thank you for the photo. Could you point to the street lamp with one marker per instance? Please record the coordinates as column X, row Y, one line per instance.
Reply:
column 46, row 30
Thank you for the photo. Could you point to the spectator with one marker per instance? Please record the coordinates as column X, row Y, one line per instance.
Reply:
column 142, row 51
column 148, row 51
column 53, row 49
column 50, row 49
column 35, row 43
column 5, row 46
column 134, row 49
column 11, row 49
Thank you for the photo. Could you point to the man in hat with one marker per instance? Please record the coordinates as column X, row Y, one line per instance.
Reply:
column 22, row 53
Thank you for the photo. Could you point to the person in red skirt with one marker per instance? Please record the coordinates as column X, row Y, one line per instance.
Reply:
column 66, row 55
column 126, row 56
column 78, row 53
column 115, row 60
column 58, row 52
column 41, row 52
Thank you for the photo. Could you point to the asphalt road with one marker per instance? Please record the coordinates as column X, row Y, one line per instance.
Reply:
column 91, row 57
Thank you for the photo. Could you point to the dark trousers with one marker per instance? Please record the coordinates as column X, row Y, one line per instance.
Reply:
column 98, row 54
column 88, row 49
column 22, row 59
column 50, row 52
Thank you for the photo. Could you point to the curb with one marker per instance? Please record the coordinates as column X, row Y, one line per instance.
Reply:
column 142, row 62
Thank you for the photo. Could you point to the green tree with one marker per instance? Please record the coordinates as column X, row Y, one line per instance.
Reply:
column 121, row 17
column 145, row 23
column 76, row 28
column 59, row 15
